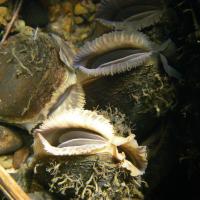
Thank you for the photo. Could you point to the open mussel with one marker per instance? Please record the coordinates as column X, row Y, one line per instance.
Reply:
column 129, row 73
column 129, row 14
column 83, row 150
column 113, row 53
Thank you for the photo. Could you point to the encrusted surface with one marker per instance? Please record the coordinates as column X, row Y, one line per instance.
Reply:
column 30, row 71
column 91, row 177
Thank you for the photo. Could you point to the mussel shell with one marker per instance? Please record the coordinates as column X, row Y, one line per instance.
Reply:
column 144, row 94
column 113, row 53
column 87, row 177
column 31, row 77
column 129, row 14
column 82, row 132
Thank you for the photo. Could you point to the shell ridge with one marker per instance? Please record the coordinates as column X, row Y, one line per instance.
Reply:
column 82, row 119
column 43, row 147
column 109, row 42
column 136, row 153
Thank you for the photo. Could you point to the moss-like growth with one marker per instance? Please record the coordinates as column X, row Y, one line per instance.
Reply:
column 143, row 94
column 118, row 119
column 87, row 177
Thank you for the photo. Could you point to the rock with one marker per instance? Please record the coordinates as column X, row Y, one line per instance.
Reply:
column 67, row 23
column 78, row 20
column 10, row 141
column 20, row 157
column 6, row 161
column 67, row 7
column 2, row 1
column 80, row 9
column 4, row 15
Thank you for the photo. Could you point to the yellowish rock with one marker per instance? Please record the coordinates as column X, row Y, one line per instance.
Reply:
column 80, row 9
column 6, row 161
column 54, row 11
column 67, row 7
column 67, row 24
column 19, row 25
column 4, row 15
column 2, row 1
column 3, row 11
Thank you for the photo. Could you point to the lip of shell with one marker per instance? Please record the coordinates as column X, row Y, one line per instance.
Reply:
column 83, row 132
column 73, row 97
column 113, row 53
column 66, row 51
column 136, row 14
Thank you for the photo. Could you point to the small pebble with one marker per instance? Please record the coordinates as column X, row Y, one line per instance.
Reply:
column 78, row 20
column 67, row 7
column 3, row 11
column 4, row 15
column 20, row 157
column 2, row 1
column 80, row 9
column 19, row 25
column 10, row 140
column 67, row 24
column 6, row 161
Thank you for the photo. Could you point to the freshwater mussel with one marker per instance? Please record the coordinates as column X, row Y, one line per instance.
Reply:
column 79, row 155
column 129, row 73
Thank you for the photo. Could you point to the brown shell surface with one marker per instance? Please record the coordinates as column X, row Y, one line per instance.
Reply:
column 30, row 72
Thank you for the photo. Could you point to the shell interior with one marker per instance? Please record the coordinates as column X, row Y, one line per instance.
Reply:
column 74, row 134
column 82, row 132
column 113, row 53
column 122, row 14
column 114, row 57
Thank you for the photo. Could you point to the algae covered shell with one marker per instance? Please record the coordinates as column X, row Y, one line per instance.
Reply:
column 83, row 132
column 129, row 14
column 144, row 94
column 78, row 155
column 113, row 53
column 97, row 176
column 32, row 78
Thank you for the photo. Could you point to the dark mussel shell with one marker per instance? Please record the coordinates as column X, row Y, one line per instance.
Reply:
column 144, row 94
column 126, row 14
column 32, row 77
